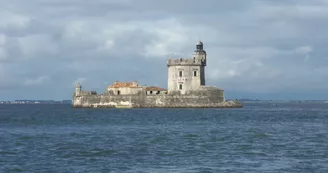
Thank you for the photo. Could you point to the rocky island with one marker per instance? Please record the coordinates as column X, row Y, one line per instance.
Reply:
column 186, row 89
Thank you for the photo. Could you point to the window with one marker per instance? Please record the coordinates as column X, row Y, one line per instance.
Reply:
column 195, row 73
column 180, row 73
column 151, row 92
column 118, row 92
column 180, row 86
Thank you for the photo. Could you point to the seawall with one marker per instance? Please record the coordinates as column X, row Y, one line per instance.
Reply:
column 153, row 101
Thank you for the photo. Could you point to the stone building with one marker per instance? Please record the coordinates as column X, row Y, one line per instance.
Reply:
column 186, row 88
column 187, row 74
column 124, row 88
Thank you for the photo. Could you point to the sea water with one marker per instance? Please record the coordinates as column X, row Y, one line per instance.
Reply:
column 257, row 138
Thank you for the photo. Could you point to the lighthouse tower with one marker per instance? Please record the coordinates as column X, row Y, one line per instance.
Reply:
column 78, row 89
column 187, row 74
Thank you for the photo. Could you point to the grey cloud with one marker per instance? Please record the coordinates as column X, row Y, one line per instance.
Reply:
column 253, row 46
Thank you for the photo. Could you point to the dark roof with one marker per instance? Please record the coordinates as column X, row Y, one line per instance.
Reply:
column 124, row 85
column 154, row 88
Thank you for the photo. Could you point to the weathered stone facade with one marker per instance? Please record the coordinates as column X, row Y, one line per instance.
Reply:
column 186, row 89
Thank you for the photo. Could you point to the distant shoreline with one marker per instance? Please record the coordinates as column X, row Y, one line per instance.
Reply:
column 247, row 101
column 36, row 102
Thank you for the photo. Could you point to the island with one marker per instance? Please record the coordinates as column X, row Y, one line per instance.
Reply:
column 186, row 89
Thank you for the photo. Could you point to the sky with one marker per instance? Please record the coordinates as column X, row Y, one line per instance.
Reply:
column 255, row 49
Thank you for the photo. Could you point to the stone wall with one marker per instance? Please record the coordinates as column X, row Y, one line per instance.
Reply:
column 208, row 97
column 179, row 101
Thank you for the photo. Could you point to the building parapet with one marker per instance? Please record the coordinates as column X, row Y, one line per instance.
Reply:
column 185, row 62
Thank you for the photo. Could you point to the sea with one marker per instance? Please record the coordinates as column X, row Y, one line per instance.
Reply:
column 259, row 138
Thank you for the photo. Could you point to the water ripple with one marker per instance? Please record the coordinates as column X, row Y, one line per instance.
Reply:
column 264, row 138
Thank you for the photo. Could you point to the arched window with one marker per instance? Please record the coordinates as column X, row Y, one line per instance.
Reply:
column 118, row 92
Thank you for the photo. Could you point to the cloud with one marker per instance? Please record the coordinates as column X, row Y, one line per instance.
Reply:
column 32, row 45
column 41, row 80
column 12, row 21
column 79, row 80
column 253, row 46
column 3, row 53
column 304, row 50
